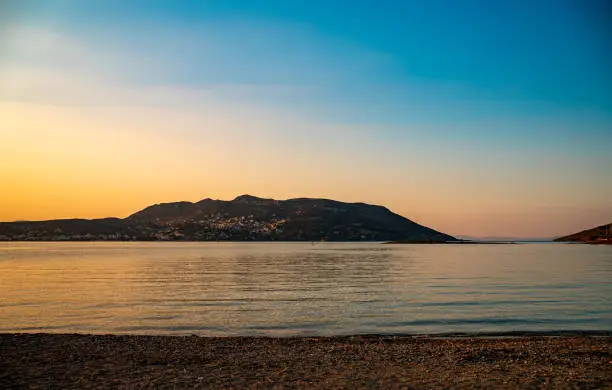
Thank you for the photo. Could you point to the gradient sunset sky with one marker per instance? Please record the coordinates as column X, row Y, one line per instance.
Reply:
column 481, row 118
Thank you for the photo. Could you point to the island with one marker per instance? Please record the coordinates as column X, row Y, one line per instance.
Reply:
column 245, row 218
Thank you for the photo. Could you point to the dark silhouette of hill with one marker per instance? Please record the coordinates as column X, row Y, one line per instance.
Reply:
column 603, row 232
column 298, row 219
column 69, row 229
column 244, row 218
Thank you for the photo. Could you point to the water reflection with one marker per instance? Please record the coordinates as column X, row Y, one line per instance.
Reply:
column 299, row 288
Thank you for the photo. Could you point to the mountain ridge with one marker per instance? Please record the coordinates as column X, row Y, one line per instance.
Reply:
column 245, row 218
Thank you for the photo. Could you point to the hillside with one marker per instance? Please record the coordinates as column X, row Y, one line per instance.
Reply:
column 244, row 218
column 70, row 230
column 595, row 234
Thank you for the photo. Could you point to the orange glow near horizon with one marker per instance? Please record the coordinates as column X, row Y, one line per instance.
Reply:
column 92, row 128
column 60, row 162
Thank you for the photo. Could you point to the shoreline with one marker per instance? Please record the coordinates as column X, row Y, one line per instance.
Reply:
column 565, row 359
column 452, row 242
column 443, row 335
column 516, row 242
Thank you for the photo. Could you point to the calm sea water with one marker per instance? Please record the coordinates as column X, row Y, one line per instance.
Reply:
column 284, row 289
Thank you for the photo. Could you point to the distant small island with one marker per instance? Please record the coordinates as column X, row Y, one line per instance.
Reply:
column 245, row 218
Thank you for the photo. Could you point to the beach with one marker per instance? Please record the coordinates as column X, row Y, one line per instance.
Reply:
column 121, row 361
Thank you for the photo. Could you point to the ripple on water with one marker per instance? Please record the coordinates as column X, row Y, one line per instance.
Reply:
column 297, row 288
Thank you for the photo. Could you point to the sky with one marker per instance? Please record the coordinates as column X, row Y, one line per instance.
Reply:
column 477, row 118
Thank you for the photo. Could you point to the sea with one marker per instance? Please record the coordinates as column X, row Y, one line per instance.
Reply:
column 303, row 288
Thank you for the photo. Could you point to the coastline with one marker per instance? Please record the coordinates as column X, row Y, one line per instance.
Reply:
column 608, row 242
column 568, row 359
column 256, row 241
column 451, row 242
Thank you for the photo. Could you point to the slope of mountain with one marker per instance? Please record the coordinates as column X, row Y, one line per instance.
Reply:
column 69, row 229
column 244, row 218
column 292, row 219
column 603, row 232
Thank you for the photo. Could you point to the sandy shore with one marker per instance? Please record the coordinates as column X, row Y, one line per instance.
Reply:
column 106, row 361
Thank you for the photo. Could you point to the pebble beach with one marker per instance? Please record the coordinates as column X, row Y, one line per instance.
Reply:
column 71, row 361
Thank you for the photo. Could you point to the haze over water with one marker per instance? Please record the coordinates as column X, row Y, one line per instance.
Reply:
column 283, row 289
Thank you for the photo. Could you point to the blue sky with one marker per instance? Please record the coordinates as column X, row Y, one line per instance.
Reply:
column 397, row 62
column 520, row 90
